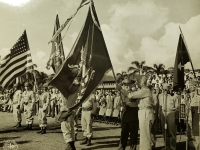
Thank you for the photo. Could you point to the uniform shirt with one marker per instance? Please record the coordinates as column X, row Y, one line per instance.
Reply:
column 44, row 100
column 17, row 97
column 144, row 97
column 90, row 103
column 172, row 103
column 28, row 96
column 126, row 99
column 195, row 100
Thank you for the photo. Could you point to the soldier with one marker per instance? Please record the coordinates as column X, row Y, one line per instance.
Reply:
column 145, row 113
column 28, row 100
column 169, row 106
column 192, row 133
column 89, row 108
column 67, row 123
column 44, row 99
column 129, row 121
column 53, row 101
column 16, row 106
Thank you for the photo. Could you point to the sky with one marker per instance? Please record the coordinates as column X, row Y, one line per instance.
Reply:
column 134, row 30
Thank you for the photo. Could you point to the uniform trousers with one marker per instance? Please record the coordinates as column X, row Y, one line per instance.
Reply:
column 67, row 128
column 42, row 117
column 171, row 130
column 146, row 120
column 28, row 113
column 17, row 113
column 86, row 123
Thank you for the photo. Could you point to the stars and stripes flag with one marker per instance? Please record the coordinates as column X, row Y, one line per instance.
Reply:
column 17, row 62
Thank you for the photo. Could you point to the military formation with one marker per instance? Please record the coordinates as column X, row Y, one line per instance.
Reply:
column 149, row 106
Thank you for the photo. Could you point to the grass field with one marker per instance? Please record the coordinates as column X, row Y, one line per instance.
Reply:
column 106, row 136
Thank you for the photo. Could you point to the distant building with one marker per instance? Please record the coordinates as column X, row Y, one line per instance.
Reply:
column 107, row 84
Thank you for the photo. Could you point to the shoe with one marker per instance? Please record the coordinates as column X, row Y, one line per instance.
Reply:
column 27, row 127
column 40, row 130
column 70, row 146
column 84, row 141
column 30, row 127
column 18, row 125
column 89, row 142
column 43, row 130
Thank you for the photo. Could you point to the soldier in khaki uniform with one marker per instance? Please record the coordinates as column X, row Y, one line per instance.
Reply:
column 44, row 100
column 89, row 108
column 16, row 106
column 169, row 106
column 67, row 124
column 28, row 100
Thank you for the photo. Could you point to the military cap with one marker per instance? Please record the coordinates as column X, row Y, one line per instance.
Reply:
column 127, row 82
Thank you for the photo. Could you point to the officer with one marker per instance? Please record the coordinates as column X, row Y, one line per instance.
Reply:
column 89, row 108
column 16, row 105
column 44, row 100
column 145, row 113
column 129, row 121
column 169, row 107
column 28, row 100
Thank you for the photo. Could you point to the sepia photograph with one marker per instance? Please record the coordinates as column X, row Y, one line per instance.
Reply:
column 99, row 74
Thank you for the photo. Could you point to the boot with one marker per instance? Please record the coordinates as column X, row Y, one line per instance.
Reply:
column 89, row 142
column 76, row 137
column 30, row 127
column 27, row 127
column 84, row 141
column 18, row 125
column 43, row 130
column 40, row 130
column 70, row 146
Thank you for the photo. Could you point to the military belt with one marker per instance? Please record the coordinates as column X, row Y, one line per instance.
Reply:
column 86, row 109
column 148, row 107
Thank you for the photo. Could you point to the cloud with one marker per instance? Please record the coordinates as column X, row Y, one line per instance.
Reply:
column 164, row 49
column 130, row 22
column 15, row 2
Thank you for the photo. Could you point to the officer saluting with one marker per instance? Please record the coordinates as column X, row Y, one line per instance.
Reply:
column 28, row 100
column 44, row 100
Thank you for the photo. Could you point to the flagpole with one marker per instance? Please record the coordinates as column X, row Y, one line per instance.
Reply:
column 187, row 51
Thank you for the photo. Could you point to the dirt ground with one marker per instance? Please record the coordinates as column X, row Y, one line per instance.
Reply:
column 106, row 136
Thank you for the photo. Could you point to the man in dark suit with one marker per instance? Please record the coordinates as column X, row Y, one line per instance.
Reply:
column 129, row 120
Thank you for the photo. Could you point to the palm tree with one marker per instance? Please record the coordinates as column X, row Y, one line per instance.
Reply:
column 158, row 68
column 138, row 65
column 120, row 76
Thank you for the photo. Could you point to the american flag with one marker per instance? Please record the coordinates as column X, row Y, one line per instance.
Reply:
column 17, row 62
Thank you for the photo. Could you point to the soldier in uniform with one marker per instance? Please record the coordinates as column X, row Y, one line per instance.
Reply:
column 192, row 133
column 44, row 100
column 129, row 121
column 145, row 113
column 169, row 106
column 89, row 108
column 28, row 100
column 67, row 124
column 16, row 106
column 53, row 101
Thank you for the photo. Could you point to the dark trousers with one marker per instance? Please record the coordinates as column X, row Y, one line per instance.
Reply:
column 129, row 128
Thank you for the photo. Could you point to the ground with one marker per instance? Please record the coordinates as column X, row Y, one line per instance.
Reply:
column 106, row 136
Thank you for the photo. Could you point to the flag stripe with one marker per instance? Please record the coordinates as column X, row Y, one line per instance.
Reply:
column 22, row 63
column 14, row 74
column 12, row 63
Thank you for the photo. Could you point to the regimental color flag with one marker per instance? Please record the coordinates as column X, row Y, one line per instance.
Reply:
column 182, row 57
column 57, row 56
column 87, row 62
column 59, row 30
column 17, row 62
